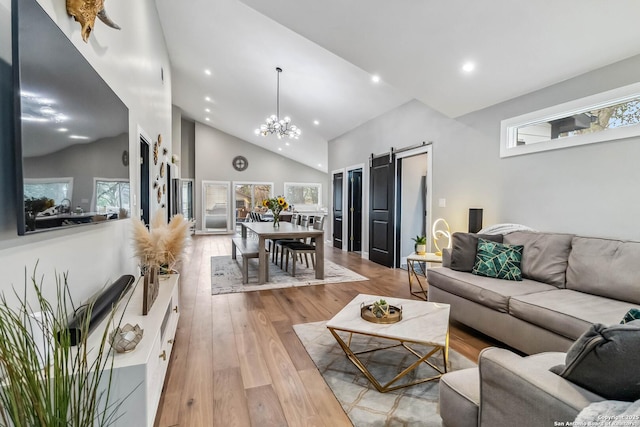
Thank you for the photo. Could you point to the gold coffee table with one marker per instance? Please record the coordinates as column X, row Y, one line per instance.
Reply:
column 423, row 323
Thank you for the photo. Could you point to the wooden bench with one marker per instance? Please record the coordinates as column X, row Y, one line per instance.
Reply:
column 248, row 248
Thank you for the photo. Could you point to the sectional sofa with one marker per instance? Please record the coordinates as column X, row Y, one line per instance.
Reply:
column 568, row 283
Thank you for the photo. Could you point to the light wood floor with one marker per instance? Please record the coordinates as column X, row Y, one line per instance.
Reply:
column 237, row 360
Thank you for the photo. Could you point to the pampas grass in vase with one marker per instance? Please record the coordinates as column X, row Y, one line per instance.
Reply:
column 161, row 245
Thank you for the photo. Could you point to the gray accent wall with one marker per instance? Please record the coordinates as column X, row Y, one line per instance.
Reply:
column 188, row 149
column 589, row 190
column 99, row 159
column 216, row 151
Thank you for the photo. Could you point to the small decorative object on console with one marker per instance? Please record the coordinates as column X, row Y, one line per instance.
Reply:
column 380, row 312
column 125, row 339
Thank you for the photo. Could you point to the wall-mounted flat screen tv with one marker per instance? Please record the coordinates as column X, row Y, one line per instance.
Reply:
column 72, row 131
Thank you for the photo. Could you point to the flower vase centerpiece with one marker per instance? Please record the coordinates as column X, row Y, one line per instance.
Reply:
column 277, row 205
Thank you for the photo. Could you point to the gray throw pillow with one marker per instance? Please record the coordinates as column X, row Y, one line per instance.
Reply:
column 605, row 360
column 464, row 247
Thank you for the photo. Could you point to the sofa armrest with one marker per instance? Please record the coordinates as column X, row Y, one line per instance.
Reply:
column 522, row 391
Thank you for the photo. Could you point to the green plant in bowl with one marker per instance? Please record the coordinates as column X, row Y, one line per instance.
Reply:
column 380, row 308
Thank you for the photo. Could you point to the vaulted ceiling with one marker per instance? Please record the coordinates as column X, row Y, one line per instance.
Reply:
column 330, row 50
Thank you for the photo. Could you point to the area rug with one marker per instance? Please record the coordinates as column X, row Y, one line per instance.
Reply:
column 364, row 405
column 226, row 276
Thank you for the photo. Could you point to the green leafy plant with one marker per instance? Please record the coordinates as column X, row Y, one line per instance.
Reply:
column 420, row 240
column 45, row 380
column 380, row 308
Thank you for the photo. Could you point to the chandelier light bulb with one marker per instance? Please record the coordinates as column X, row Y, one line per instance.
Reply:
column 273, row 124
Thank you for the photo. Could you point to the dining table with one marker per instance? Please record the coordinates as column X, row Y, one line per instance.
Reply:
column 285, row 230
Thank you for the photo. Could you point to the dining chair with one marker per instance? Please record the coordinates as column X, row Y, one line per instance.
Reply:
column 282, row 244
column 273, row 245
column 296, row 249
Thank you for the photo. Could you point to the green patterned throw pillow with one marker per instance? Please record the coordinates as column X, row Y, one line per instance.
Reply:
column 498, row 260
column 633, row 314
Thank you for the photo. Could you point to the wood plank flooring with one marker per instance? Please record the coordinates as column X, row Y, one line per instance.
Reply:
column 236, row 359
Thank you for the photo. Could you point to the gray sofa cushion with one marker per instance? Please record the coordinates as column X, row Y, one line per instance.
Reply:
column 464, row 247
column 605, row 267
column 545, row 255
column 605, row 361
column 490, row 292
column 567, row 312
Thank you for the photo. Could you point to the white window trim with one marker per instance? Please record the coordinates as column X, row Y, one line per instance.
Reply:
column 509, row 127
column 94, row 197
column 305, row 184
column 65, row 179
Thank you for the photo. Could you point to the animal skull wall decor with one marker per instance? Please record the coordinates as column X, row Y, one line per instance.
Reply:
column 85, row 12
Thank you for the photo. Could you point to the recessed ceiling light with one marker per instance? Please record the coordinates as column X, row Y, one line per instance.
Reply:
column 279, row 148
column 206, row 98
column 207, row 110
column 319, row 165
column 468, row 67
column 207, row 72
column 78, row 137
column 62, row 129
column 375, row 79
column 287, row 144
column 315, row 122
column 207, row 118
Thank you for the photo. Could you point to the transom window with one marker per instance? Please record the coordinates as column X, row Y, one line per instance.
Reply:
column 604, row 117
column 304, row 196
column 58, row 189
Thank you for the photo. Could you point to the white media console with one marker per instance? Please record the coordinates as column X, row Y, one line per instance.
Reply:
column 138, row 376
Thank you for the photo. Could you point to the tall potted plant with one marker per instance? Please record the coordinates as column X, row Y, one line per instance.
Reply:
column 49, row 382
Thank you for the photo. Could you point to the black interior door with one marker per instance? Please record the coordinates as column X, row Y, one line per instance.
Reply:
column 355, row 210
column 144, row 181
column 337, row 210
column 381, row 210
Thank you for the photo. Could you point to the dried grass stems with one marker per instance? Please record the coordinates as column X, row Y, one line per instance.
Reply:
column 163, row 244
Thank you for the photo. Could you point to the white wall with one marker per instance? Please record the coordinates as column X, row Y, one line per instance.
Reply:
column 130, row 61
column 414, row 172
column 216, row 150
column 588, row 190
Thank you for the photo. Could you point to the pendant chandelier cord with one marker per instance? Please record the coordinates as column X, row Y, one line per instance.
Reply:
column 279, row 70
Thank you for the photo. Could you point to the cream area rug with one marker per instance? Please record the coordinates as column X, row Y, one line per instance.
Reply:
column 226, row 276
column 366, row 407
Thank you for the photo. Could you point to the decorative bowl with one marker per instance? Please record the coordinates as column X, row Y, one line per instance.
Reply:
column 125, row 339
column 390, row 314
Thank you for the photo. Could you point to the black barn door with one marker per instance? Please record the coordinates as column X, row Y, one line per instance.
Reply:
column 338, row 178
column 381, row 210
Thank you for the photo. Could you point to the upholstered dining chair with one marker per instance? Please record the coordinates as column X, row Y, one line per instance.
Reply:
column 281, row 244
column 274, row 247
column 296, row 249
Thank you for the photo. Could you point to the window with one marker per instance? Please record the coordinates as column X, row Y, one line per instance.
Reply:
column 111, row 195
column 304, row 197
column 57, row 189
column 604, row 117
column 251, row 194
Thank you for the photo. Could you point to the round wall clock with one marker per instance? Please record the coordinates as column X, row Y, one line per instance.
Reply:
column 240, row 163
